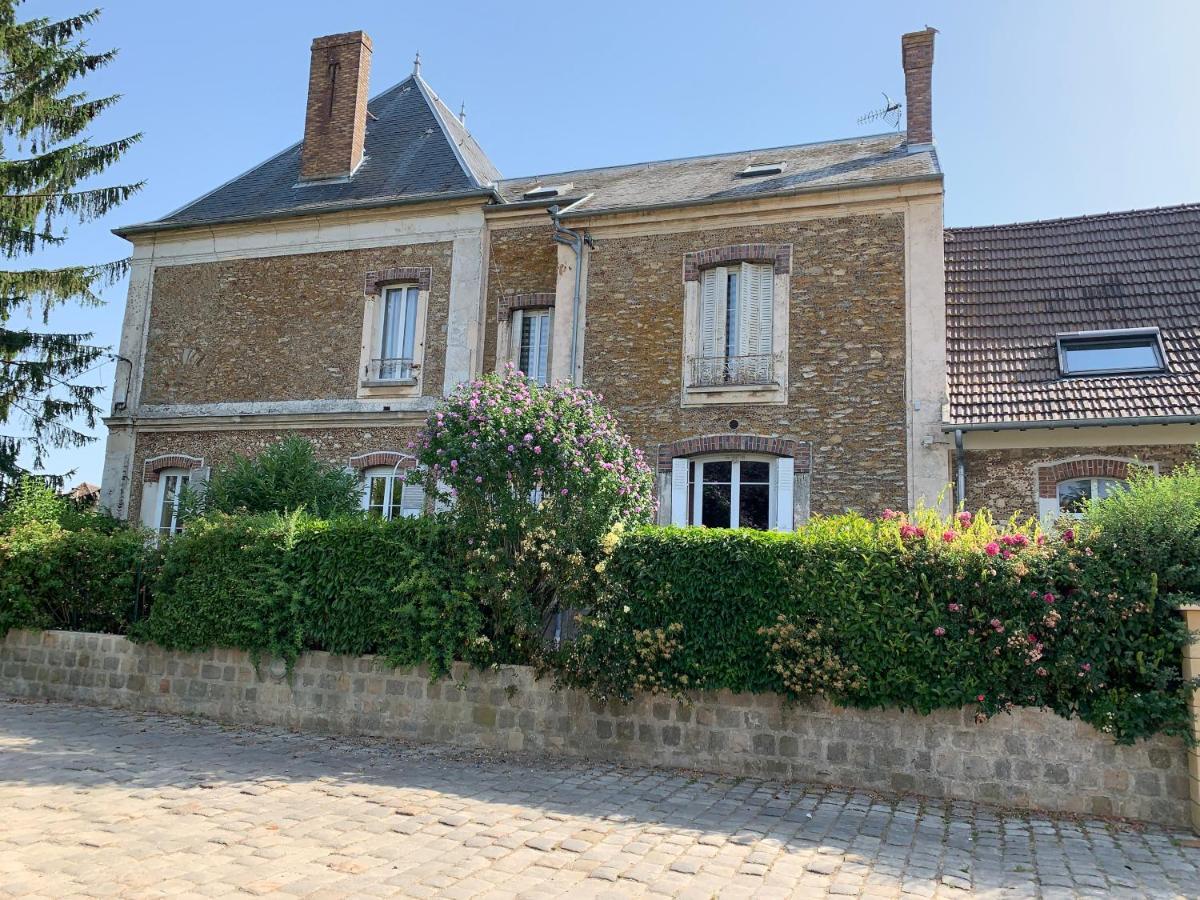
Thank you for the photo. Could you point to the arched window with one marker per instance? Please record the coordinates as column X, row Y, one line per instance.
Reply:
column 1074, row 493
column 387, row 496
column 171, row 483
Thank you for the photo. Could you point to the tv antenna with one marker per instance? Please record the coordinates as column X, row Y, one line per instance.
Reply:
column 889, row 112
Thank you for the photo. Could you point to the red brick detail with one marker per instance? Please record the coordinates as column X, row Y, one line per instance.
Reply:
column 373, row 282
column 1051, row 475
column 375, row 458
column 800, row 451
column 778, row 255
column 523, row 301
column 335, row 120
column 152, row 467
column 916, row 54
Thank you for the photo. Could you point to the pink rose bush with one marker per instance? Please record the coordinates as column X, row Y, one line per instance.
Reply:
column 541, row 475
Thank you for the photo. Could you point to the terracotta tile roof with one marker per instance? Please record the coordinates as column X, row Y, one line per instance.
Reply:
column 1011, row 288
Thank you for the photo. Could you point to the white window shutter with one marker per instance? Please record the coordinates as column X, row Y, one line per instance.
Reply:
column 412, row 500
column 785, row 481
column 754, row 335
column 710, row 299
column 679, row 491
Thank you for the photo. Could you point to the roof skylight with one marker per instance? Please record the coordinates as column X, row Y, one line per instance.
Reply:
column 757, row 170
column 1130, row 351
column 545, row 191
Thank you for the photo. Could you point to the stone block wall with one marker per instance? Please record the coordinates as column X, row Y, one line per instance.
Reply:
column 1006, row 481
column 846, row 359
column 1031, row 759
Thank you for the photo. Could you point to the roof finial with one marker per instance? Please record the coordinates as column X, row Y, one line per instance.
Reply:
column 417, row 64
column 462, row 112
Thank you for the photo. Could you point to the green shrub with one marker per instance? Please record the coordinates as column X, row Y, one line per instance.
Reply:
column 286, row 476
column 1152, row 525
column 83, row 580
column 276, row 585
column 917, row 614
column 34, row 500
column 536, row 476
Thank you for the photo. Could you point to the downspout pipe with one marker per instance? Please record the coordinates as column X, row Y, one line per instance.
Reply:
column 960, row 468
column 575, row 240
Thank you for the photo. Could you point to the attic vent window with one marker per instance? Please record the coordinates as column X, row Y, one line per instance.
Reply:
column 545, row 191
column 758, row 170
column 1130, row 351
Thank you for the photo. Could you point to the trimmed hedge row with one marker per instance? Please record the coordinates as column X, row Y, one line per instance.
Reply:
column 278, row 585
column 876, row 614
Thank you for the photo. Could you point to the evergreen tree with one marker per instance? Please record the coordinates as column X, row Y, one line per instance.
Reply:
column 47, row 163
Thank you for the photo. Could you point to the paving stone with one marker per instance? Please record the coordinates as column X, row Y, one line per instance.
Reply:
column 101, row 803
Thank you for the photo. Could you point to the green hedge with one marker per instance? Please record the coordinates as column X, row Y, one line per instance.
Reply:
column 850, row 609
column 278, row 585
column 85, row 580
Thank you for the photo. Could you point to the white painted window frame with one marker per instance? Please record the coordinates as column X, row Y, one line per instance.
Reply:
column 182, row 478
column 372, row 344
column 412, row 496
column 517, row 323
column 776, row 393
column 781, row 490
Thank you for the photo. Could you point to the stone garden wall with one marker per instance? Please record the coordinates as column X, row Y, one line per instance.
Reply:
column 1030, row 759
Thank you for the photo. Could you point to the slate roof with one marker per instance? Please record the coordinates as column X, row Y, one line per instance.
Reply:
column 415, row 148
column 817, row 166
column 1010, row 289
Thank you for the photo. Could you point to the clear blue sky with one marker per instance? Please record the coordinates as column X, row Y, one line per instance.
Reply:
column 1040, row 109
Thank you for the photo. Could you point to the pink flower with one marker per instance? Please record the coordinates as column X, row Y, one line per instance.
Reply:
column 995, row 623
column 1042, row 672
column 889, row 514
column 964, row 519
column 1068, row 535
column 992, row 549
column 980, row 698
column 563, row 492
column 954, row 607
column 479, row 479
column 939, row 631
column 1087, row 667
column 911, row 531
column 1049, row 598
column 948, row 536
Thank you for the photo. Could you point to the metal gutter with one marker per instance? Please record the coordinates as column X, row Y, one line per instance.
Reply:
column 1049, row 424
column 314, row 210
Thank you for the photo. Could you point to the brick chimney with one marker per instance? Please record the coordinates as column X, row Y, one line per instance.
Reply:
column 335, row 122
column 917, row 54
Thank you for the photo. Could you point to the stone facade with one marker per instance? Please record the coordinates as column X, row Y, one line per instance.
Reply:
column 1030, row 759
column 846, row 382
column 1006, row 481
column 521, row 261
column 337, row 445
column 279, row 327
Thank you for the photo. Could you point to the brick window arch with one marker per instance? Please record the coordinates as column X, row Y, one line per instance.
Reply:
column 1051, row 474
column 153, row 466
column 378, row 458
column 800, row 451
column 511, row 302
column 777, row 255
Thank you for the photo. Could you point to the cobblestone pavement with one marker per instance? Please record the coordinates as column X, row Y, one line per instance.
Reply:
column 98, row 803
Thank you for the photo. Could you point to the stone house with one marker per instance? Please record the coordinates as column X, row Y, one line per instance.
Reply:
column 771, row 326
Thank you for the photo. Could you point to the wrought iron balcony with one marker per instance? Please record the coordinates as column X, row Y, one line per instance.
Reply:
column 395, row 368
column 723, row 371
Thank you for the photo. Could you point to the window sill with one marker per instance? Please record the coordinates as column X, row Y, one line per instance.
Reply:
column 711, row 395
column 390, row 383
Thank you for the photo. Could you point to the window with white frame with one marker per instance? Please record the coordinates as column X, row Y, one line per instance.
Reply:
column 533, row 330
column 1074, row 494
column 735, row 343
column 396, row 332
column 387, row 496
column 171, row 483
column 733, row 492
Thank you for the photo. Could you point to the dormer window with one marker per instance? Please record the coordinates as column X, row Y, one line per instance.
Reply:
column 1132, row 351
column 758, row 170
